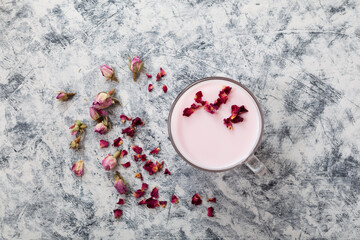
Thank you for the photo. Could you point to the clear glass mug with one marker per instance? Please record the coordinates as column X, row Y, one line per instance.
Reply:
column 251, row 161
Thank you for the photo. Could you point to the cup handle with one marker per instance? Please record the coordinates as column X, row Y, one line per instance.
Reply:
column 256, row 165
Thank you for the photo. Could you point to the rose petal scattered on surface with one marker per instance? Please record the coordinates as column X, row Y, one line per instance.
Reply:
column 150, row 87
column 154, row 193
column 167, row 172
column 139, row 193
column 196, row 199
column 136, row 149
column 155, row 150
column 159, row 165
column 144, row 186
column 124, row 118
column 126, row 165
column 78, row 168
column 142, row 202
column 148, row 75
column 212, row 200
column 152, row 203
column 117, row 142
column 150, row 167
column 121, row 202
column 137, row 122
column 129, row 131
column 104, row 144
column 174, row 199
column 139, row 175
column 164, row 88
column 163, row 203
column 161, row 74
column 123, row 153
column 210, row 212
column 117, row 213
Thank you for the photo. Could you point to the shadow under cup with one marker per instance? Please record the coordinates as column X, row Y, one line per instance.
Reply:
column 248, row 158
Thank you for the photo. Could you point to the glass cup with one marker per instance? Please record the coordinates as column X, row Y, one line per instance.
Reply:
column 251, row 161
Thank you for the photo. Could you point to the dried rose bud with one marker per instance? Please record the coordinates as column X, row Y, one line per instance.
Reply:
column 135, row 66
column 164, row 88
column 104, row 100
column 64, row 96
column 102, row 127
column 124, row 118
column 196, row 199
column 117, row 213
column 104, row 144
column 174, row 199
column 150, row 87
column 96, row 114
column 78, row 168
column 75, row 143
column 120, row 184
column 107, row 72
column 212, row 200
column 109, row 162
column 77, row 127
column 210, row 212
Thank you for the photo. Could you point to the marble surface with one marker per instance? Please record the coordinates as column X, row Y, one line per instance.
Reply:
column 300, row 58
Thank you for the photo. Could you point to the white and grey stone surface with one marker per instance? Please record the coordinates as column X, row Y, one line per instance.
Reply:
column 300, row 58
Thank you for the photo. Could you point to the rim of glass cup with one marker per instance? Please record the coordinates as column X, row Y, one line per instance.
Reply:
column 203, row 80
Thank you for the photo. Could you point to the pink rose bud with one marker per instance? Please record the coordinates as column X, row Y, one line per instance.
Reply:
column 104, row 100
column 104, row 144
column 107, row 72
column 77, row 127
column 75, row 143
column 64, row 96
column 135, row 66
column 78, row 168
column 95, row 114
column 102, row 127
column 120, row 184
column 109, row 162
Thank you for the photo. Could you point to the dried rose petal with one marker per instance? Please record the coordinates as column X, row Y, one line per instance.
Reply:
column 163, row 203
column 117, row 213
column 120, row 184
column 196, row 199
column 144, row 186
column 164, row 88
column 123, row 153
column 227, row 89
column 139, row 193
column 139, row 175
column 64, row 96
column 150, row 167
column 154, row 193
column 209, row 108
column 150, row 87
column 160, row 74
column 104, row 144
column 130, row 131
column 212, row 200
column 174, row 199
column 124, row 118
column 138, row 157
column 152, row 203
column 118, row 142
column 237, row 119
column 142, row 202
column 136, row 149
column 159, row 165
column 78, row 168
column 137, row 122
column 148, row 75
column 228, row 124
column 126, row 165
column 210, row 212
column 121, row 202
column 198, row 98
column 188, row 111
column 155, row 151
column 167, row 172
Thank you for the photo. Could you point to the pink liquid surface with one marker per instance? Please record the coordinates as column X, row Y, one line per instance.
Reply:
column 203, row 139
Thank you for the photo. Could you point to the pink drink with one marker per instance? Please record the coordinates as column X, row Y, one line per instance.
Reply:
column 203, row 139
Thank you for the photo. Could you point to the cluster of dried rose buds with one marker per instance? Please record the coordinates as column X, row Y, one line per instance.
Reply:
column 77, row 129
column 197, row 200
column 64, row 96
column 135, row 66
column 161, row 74
column 108, row 72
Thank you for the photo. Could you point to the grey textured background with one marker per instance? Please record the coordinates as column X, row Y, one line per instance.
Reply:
column 301, row 58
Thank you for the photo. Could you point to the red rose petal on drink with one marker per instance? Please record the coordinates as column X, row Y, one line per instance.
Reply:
column 137, row 122
column 150, row 87
column 142, row 202
column 154, row 193
column 155, row 151
column 212, row 200
column 196, row 199
column 209, row 108
column 188, row 111
column 126, row 165
column 237, row 119
column 121, row 202
column 242, row 109
column 164, row 88
column 130, row 131
column 228, row 124
column 136, row 149
column 123, row 153
column 139, row 193
column 139, row 175
column 104, row 144
column 148, row 75
column 174, row 199
column 117, row 213
column 227, row 89
column 198, row 97
column 210, row 212
column 163, row 203
column 118, row 142
column 144, row 186
column 124, row 118
column 167, row 172
column 152, row 203
column 195, row 106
